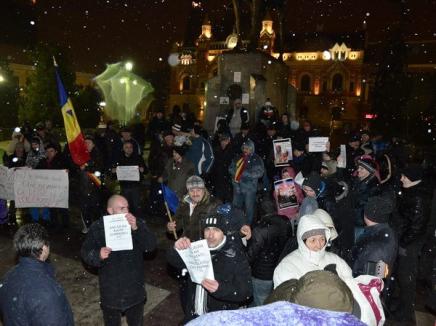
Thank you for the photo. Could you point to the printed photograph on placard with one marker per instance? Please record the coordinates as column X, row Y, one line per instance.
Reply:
column 285, row 190
column 282, row 152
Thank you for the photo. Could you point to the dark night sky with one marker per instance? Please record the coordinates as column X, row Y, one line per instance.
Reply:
column 97, row 32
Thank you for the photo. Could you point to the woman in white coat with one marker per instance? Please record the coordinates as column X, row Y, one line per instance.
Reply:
column 312, row 236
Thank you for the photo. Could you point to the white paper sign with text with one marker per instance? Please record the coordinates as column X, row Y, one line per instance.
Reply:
column 128, row 173
column 342, row 158
column 198, row 262
column 41, row 188
column 6, row 183
column 237, row 77
column 117, row 232
column 245, row 98
column 318, row 144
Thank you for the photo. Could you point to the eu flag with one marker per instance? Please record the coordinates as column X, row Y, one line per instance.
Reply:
column 170, row 197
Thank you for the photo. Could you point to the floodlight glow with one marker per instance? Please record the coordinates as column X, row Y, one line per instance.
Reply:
column 128, row 66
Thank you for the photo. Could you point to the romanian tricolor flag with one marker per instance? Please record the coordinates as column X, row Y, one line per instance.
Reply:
column 240, row 167
column 76, row 141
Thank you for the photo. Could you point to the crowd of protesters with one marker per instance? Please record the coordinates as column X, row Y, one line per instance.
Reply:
column 358, row 229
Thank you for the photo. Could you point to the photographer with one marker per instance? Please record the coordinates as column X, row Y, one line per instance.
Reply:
column 17, row 137
column 379, row 242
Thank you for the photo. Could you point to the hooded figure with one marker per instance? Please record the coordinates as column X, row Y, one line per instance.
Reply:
column 304, row 260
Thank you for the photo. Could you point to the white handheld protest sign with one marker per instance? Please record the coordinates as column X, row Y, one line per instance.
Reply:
column 41, row 188
column 117, row 232
column 198, row 262
column 342, row 158
column 128, row 173
column 318, row 144
column 245, row 98
column 6, row 183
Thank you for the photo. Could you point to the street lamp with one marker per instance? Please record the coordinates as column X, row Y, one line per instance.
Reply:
column 128, row 65
column 2, row 78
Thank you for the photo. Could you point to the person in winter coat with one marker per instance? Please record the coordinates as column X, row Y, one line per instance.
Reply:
column 314, row 186
column 246, row 171
column 15, row 160
column 157, row 125
column 363, row 186
column 237, row 116
column 194, row 206
column 200, row 153
column 54, row 161
column 90, row 189
column 132, row 190
column 353, row 151
column 36, row 153
column 312, row 236
column 160, row 154
column 379, row 242
column 120, row 273
column 411, row 217
column 325, row 217
column 264, row 248
column 29, row 292
column 17, row 137
column 232, row 284
column 177, row 170
column 219, row 174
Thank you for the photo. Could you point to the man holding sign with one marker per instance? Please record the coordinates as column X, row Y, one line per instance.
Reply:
column 231, row 283
column 121, row 271
column 130, row 169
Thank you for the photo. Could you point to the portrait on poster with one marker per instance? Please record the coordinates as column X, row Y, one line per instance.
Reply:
column 282, row 152
column 286, row 193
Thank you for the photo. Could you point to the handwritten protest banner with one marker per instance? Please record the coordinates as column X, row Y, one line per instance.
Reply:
column 198, row 262
column 117, row 232
column 6, row 183
column 318, row 144
column 41, row 188
column 128, row 173
column 282, row 151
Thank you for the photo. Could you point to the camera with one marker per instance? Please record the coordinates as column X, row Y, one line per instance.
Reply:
column 379, row 269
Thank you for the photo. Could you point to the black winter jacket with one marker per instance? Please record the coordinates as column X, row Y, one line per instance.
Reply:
column 231, row 270
column 121, row 275
column 413, row 213
column 30, row 295
column 360, row 191
column 266, row 244
column 378, row 242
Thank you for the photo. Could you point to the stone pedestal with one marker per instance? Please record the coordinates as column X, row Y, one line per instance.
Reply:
column 254, row 77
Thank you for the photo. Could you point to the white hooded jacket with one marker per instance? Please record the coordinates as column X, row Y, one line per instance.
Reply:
column 303, row 260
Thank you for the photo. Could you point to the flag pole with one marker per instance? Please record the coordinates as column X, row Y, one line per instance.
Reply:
column 168, row 210
column 170, row 217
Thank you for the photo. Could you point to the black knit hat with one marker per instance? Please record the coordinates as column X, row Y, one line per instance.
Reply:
column 378, row 209
column 299, row 146
column 413, row 172
column 367, row 164
column 217, row 221
column 181, row 150
column 313, row 181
